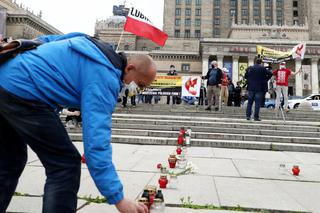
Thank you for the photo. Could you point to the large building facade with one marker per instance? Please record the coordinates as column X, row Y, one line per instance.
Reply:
column 17, row 21
column 229, row 31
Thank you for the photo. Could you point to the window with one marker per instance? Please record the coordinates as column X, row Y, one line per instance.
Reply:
column 178, row 11
column 188, row 12
column 216, row 32
column 188, row 2
column 197, row 33
column 279, row 13
column 185, row 67
column 295, row 3
column 256, row 3
column 188, row 22
column 187, row 33
column 126, row 47
column 217, row 3
column 232, row 12
column 233, row 3
column 177, row 22
column 268, row 21
column 295, row 13
column 198, row 2
column 279, row 3
column 217, row 12
column 244, row 3
column 256, row 12
column 177, row 33
column 198, row 12
column 244, row 12
column 257, row 21
column 295, row 22
column 144, row 48
column 268, row 13
column 279, row 22
column 198, row 22
column 178, row 2
column 216, row 21
column 268, row 3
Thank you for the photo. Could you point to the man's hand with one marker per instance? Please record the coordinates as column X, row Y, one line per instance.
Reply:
column 127, row 206
column 76, row 113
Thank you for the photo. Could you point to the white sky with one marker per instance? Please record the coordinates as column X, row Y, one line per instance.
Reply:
column 81, row 15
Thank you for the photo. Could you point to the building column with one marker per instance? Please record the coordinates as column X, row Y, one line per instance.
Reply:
column 205, row 65
column 239, row 13
column 263, row 12
column 274, row 12
column 314, row 75
column 250, row 12
column 250, row 61
column 299, row 88
column 220, row 61
column 235, row 69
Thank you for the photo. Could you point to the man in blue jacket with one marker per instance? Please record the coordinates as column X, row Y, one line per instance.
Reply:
column 257, row 77
column 66, row 70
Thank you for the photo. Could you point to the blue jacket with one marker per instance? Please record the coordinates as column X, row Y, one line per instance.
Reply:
column 70, row 70
column 257, row 77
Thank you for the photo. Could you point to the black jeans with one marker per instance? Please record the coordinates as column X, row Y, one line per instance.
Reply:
column 36, row 124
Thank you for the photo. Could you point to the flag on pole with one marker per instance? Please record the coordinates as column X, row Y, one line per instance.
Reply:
column 140, row 25
column 299, row 51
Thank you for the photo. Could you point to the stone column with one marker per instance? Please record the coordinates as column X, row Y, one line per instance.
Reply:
column 263, row 12
column 239, row 12
column 274, row 12
column 250, row 60
column 205, row 64
column 235, row 69
column 314, row 75
column 250, row 11
column 220, row 61
column 299, row 88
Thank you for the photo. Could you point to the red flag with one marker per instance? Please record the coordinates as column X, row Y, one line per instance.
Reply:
column 140, row 25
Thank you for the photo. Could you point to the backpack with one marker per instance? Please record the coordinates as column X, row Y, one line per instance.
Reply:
column 213, row 77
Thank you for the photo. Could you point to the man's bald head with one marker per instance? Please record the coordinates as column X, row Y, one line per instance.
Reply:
column 141, row 69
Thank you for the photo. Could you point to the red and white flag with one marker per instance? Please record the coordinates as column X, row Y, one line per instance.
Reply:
column 299, row 51
column 140, row 25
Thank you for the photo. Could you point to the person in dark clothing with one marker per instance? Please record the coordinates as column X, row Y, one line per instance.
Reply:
column 231, row 93
column 257, row 77
column 171, row 72
column 214, row 77
column 203, row 94
column 125, row 99
column 237, row 95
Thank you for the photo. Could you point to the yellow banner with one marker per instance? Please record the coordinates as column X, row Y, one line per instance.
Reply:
column 242, row 69
column 267, row 52
column 166, row 82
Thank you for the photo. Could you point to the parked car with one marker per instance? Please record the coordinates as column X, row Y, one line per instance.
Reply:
column 270, row 103
column 314, row 99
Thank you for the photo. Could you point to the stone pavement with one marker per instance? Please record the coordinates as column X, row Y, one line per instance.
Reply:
column 250, row 179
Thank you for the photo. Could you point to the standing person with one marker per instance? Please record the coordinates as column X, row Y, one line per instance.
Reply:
column 202, row 95
column 214, row 77
column 282, row 81
column 231, row 93
column 66, row 70
column 172, row 71
column 257, row 77
column 224, row 92
column 237, row 95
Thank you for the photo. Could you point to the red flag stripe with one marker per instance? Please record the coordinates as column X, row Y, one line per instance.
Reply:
column 145, row 30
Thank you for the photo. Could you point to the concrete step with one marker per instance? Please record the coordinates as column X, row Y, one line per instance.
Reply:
column 216, row 143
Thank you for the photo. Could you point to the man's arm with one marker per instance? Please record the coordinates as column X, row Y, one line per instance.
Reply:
column 298, row 71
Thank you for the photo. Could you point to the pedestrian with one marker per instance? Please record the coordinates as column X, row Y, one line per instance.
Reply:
column 214, row 77
column 67, row 70
column 282, row 81
column 257, row 77
column 172, row 72
column 237, row 95
column 224, row 92
column 231, row 93
column 202, row 95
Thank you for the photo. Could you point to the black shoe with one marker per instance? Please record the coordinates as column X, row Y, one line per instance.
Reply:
column 257, row 119
column 248, row 119
column 216, row 109
column 208, row 108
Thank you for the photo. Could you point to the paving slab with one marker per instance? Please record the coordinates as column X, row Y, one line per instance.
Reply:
column 31, row 156
column 306, row 158
column 216, row 167
column 133, row 183
column 307, row 194
column 200, row 189
column 32, row 181
column 253, row 155
column 20, row 204
column 254, row 193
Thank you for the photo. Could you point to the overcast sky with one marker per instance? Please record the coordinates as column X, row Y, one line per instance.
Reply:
column 81, row 15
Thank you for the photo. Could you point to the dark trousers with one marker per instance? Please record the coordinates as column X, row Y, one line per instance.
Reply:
column 173, row 99
column 35, row 124
column 256, row 97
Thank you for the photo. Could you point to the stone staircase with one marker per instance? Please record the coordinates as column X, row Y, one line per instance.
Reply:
column 160, row 124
